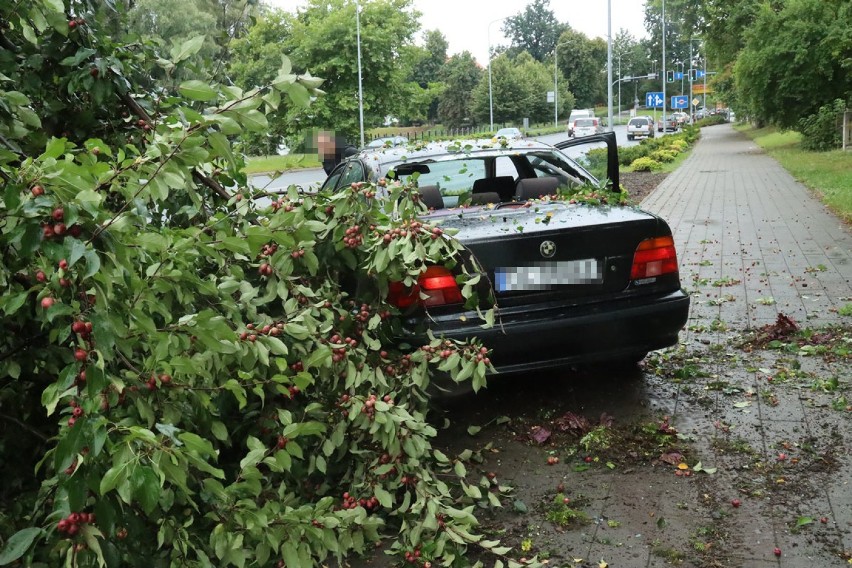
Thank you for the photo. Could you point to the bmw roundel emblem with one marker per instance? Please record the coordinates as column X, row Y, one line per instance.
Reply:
column 547, row 249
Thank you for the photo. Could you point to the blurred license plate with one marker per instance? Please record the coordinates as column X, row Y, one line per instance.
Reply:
column 547, row 275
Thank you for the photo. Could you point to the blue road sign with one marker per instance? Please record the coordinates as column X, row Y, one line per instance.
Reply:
column 680, row 101
column 699, row 73
column 678, row 75
column 654, row 99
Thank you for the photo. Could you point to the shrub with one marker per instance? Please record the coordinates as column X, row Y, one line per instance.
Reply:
column 678, row 145
column 823, row 131
column 646, row 164
column 628, row 154
column 664, row 156
column 712, row 120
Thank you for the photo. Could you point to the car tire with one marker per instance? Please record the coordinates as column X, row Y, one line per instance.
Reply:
column 630, row 137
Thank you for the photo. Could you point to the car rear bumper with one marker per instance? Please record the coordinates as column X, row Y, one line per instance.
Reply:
column 609, row 331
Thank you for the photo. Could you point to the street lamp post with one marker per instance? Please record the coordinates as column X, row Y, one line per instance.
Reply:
column 490, row 90
column 664, row 67
column 609, row 62
column 619, row 85
column 691, row 79
column 556, row 85
column 360, row 86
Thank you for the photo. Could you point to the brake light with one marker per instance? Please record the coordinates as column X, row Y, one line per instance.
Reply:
column 654, row 257
column 437, row 284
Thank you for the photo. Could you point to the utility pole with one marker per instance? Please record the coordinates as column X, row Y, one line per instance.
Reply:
column 664, row 67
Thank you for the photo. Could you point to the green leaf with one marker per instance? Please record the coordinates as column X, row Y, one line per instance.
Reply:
column 112, row 478
column 146, row 488
column 90, row 534
column 802, row 521
column 187, row 49
column 473, row 430
column 198, row 90
column 460, row 470
column 18, row 544
column 385, row 498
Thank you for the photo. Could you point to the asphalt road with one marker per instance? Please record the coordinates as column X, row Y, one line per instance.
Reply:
column 315, row 176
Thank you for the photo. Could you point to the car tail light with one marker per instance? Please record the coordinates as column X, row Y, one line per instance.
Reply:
column 654, row 257
column 438, row 285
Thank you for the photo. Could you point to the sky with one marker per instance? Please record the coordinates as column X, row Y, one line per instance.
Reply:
column 469, row 24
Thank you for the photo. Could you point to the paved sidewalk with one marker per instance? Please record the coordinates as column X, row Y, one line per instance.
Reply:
column 737, row 214
column 754, row 244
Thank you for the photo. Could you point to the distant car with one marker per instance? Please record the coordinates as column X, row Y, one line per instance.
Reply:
column 587, row 127
column 590, row 284
column 509, row 134
column 387, row 142
column 640, row 126
column 578, row 113
column 668, row 124
column 682, row 118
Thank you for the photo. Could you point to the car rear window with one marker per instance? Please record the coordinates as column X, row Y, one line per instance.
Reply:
column 584, row 122
column 638, row 122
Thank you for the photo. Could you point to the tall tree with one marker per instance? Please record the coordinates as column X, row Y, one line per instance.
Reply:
column 796, row 60
column 534, row 30
column 324, row 41
column 519, row 90
column 461, row 75
column 583, row 63
column 435, row 47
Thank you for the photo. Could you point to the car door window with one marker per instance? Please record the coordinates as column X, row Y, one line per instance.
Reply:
column 334, row 177
column 354, row 172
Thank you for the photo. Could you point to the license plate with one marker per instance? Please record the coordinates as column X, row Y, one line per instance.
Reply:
column 548, row 275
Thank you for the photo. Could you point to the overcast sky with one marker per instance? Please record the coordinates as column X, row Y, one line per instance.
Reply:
column 465, row 23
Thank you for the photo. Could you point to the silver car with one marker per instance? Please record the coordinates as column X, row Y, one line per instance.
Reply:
column 640, row 126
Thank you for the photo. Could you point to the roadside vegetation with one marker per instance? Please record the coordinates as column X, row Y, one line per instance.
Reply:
column 828, row 174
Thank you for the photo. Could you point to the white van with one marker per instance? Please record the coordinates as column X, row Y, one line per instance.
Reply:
column 578, row 113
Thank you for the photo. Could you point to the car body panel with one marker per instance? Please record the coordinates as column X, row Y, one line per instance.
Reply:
column 668, row 124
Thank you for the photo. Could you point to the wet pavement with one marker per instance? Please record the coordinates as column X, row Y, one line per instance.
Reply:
column 732, row 449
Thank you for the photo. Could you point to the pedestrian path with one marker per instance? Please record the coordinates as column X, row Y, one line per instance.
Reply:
column 753, row 242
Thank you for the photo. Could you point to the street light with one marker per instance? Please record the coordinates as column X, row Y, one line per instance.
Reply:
column 609, row 63
column 360, row 86
column 490, row 90
column 556, row 85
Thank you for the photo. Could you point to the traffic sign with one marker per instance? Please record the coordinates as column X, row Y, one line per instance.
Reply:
column 654, row 99
column 678, row 75
column 680, row 101
column 696, row 101
column 699, row 73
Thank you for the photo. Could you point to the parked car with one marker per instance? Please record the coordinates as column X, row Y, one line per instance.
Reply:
column 387, row 142
column 667, row 123
column 640, row 126
column 578, row 113
column 591, row 283
column 509, row 133
column 587, row 127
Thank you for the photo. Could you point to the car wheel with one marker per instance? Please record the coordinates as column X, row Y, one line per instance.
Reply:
column 630, row 137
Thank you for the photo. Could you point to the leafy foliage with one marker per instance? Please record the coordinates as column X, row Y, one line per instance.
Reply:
column 461, row 75
column 534, row 30
column 823, row 131
column 210, row 379
column 793, row 60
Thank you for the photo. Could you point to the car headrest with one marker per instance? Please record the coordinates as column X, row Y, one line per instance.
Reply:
column 504, row 186
column 485, row 197
column 430, row 195
column 533, row 188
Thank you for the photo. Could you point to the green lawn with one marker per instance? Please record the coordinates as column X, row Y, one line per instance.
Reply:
column 828, row 174
column 265, row 164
